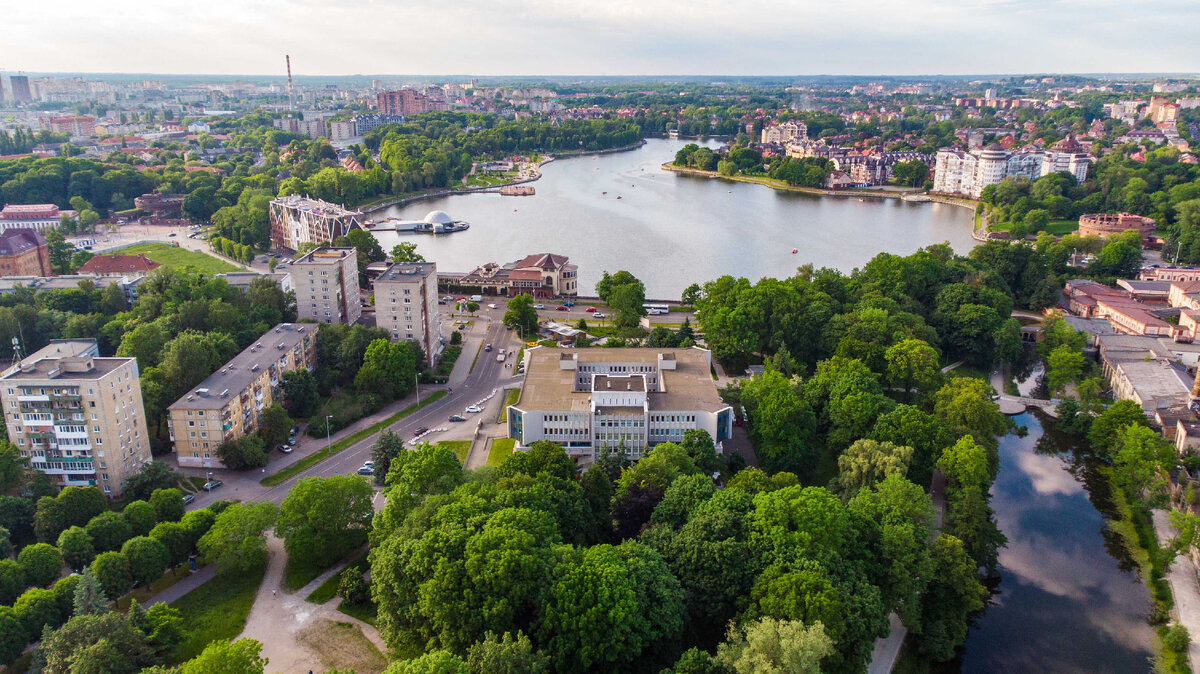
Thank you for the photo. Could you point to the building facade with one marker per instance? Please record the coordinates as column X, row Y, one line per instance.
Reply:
column 119, row 266
column 227, row 405
column 406, row 306
column 32, row 216
column 339, row 131
column 1107, row 224
column 407, row 102
column 968, row 172
column 296, row 220
column 77, row 417
column 20, row 88
column 540, row 275
column 326, row 285
column 78, row 126
column 785, row 132
column 595, row 398
column 24, row 252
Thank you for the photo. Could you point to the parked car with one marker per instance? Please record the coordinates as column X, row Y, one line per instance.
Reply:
column 421, row 431
column 366, row 470
column 369, row 464
column 597, row 315
column 462, row 327
column 188, row 498
column 568, row 303
column 590, row 310
column 474, row 409
column 291, row 440
column 294, row 430
column 562, row 307
column 539, row 306
column 171, row 235
column 491, row 306
column 457, row 417
column 285, row 448
column 209, row 486
column 441, row 301
column 487, row 347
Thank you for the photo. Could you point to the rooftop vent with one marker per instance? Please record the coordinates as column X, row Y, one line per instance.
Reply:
column 224, row 393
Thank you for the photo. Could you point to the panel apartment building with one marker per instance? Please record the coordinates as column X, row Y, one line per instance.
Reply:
column 326, row 285
column 594, row 398
column 968, row 172
column 77, row 417
column 406, row 305
column 227, row 405
column 296, row 220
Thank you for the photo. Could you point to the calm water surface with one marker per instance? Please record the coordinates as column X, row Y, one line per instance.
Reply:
column 672, row 230
column 1069, row 599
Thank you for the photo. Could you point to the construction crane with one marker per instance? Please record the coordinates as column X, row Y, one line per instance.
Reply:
column 291, row 95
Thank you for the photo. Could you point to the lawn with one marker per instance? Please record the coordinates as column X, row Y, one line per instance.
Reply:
column 216, row 610
column 297, row 575
column 460, row 448
column 316, row 457
column 146, row 591
column 1057, row 227
column 328, row 590
column 343, row 646
column 510, row 398
column 502, row 448
column 171, row 256
column 364, row 612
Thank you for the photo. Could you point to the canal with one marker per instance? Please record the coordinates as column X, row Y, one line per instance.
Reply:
column 622, row 211
column 1069, row 597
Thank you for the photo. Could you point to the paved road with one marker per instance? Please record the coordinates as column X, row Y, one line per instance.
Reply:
column 1184, row 588
column 488, row 374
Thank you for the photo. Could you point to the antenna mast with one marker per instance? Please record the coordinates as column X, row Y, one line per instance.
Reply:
column 291, row 96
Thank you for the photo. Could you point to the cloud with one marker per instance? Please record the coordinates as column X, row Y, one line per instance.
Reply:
column 631, row 37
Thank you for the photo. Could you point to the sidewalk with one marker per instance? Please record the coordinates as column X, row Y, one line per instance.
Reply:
column 176, row 591
column 1184, row 588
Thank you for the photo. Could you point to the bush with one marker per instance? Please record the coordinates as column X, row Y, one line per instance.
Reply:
column 1177, row 638
column 353, row 588
column 455, row 338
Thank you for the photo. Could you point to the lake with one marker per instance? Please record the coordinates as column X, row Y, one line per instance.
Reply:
column 671, row 230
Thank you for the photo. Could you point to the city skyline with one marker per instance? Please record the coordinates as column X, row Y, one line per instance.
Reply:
column 662, row 37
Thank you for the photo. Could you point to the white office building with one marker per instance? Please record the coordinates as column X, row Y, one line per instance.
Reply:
column 968, row 172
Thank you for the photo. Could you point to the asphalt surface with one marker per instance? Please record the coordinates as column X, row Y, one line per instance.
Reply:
column 488, row 374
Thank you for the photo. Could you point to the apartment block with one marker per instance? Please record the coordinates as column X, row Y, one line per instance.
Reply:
column 406, row 305
column 77, row 417
column 326, row 285
column 596, row 398
column 227, row 405
column 296, row 220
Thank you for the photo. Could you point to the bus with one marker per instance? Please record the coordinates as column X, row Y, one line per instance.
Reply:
column 656, row 309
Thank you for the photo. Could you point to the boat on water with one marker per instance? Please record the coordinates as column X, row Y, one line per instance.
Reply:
column 618, row 196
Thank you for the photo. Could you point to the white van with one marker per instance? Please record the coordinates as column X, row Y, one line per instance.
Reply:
column 476, row 298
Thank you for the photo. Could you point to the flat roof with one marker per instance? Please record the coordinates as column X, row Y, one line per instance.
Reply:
column 326, row 255
column 604, row 382
column 1156, row 380
column 406, row 272
column 237, row 374
column 41, row 370
column 689, row 386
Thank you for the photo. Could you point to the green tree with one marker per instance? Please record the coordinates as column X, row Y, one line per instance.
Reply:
column 1107, row 428
column 387, row 446
column 236, row 541
column 96, row 643
column 140, row 516
column 770, row 646
column 954, row 593
column 168, row 504
column 243, row 656
column 406, row 252
column 273, row 426
column 152, row 476
column 300, row 393
column 41, row 563
column 76, row 546
column 506, row 654
column 12, row 580
column 783, row 426
column 323, row 519
column 690, row 294
column 12, row 467
column 13, row 635
column 89, row 597
column 867, row 462
column 244, row 453
column 1064, row 365
column 147, row 557
column 109, row 531
column 112, row 570
column 521, row 315
column 60, row 251
column 1141, row 463
column 912, row 363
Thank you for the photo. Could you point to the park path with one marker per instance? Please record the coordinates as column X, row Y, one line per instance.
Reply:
column 1184, row 588
column 279, row 616
column 173, row 593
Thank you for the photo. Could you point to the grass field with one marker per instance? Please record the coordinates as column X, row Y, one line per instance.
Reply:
column 364, row 612
column 510, row 398
column 328, row 590
column 1057, row 227
column 459, row 447
column 502, row 448
column 170, row 256
column 316, row 457
column 215, row 610
column 297, row 575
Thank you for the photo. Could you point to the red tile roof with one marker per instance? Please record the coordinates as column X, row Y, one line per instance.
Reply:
column 118, row 264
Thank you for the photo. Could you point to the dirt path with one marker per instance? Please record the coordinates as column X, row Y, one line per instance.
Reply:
column 278, row 617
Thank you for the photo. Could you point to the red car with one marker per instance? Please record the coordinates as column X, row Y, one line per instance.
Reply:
column 590, row 310
column 562, row 308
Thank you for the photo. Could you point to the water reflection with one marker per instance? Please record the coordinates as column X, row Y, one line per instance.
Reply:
column 1068, row 599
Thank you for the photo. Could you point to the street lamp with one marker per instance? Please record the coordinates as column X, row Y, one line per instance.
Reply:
column 328, row 436
column 417, row 384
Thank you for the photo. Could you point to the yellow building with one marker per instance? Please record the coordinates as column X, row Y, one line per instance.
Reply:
column 227, row 405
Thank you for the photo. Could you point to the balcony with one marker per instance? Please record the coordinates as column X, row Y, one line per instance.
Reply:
column 33, row 399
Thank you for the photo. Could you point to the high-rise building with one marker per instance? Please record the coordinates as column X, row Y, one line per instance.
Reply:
column 406, row 305
column 228, row 404
column 296, row 220
column 77, row 417
column 326, row 285
column 407, row 102
column 20, row 88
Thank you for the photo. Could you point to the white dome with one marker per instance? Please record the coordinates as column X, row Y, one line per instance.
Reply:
column 439, row 218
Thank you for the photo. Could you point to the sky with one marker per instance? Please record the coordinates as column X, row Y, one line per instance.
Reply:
column 602, row 37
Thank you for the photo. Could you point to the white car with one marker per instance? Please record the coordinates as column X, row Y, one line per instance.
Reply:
column 597, row 315
column 539, row 306
column 491, row 306
column 474, row 409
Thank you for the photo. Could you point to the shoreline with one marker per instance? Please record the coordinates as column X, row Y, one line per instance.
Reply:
column 450, row 191
column 961, row 202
